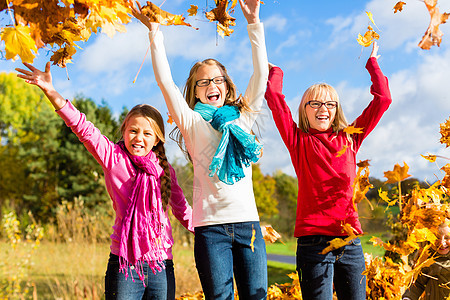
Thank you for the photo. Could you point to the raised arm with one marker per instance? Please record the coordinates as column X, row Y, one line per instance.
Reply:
column 257, row 85
column 44, row 81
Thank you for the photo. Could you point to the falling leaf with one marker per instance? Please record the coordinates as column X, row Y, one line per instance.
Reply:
column 384, row 196
column 430, row 158
column 445, row 133
column 398, row 174
column 193, row 10
column 342, row 151
column 368, row 37
column 363, row 163
column 157, row 15
column 169, row 120
column 370, row 15
column 270, row 234
column 398, row 6
column 352, row 130
column 18, row 43
column 221, row 15
column 433, row 35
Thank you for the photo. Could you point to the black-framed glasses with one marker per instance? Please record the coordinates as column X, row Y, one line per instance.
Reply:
column 206, row 82
column 317, row 104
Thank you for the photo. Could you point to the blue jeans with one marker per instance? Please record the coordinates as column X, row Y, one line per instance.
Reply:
column 343, row 267
column 222, row 249
column 159, row 286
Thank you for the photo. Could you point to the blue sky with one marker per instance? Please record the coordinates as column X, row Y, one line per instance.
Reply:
column 312, row 41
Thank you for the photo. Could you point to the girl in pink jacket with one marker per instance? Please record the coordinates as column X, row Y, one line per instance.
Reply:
column 141, row 184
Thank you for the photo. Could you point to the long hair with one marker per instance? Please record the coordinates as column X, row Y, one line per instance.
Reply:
column 231, row 98
column 319, row 91
column 157, row 124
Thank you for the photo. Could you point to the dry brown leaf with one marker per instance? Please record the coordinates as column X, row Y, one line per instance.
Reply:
column 399, row 6
column 433, row 35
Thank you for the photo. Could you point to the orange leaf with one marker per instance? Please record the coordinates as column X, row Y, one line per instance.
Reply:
column 445, row 133
column 342, row 151
column 169, row 120
column 398, row 174
column 352, row 130
column 221, row 15
column 193, row 10
column 398, row 6
column 157, row 15
column 363, row 163
column 433, row 35
column 368, row 37
column 429, row 157
column 270, row 234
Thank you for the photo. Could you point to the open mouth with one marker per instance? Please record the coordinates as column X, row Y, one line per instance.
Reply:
column 213, row 97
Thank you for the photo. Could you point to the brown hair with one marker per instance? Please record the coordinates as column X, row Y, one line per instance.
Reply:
column 157, row 124
column 231, row 97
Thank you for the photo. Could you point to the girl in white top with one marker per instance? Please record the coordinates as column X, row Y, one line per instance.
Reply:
column 215, row 125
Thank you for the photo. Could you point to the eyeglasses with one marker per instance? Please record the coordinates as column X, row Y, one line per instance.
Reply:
column 317, row 104
column 206, row 82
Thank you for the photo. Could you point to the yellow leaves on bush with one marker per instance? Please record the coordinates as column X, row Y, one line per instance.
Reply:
column 222, row 16
column 433, row 35
column 398, row 174
column 399, row 6
column 18, row 43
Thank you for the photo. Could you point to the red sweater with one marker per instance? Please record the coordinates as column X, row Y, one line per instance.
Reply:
column 325, row 180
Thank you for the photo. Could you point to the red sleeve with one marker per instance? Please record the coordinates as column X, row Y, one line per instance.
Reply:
column 280, row 111
column 376, row 108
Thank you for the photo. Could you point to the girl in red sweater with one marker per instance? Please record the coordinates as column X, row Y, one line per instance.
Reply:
column 325, row 179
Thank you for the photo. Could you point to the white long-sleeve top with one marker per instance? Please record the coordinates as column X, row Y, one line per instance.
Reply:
column 214, row 202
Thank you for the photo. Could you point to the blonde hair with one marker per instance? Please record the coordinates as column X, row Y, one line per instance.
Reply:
column 157, row 124
column 231, row 98
column 316, row 92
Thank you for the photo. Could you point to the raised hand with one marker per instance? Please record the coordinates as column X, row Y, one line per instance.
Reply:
column 375, row 51
column 44, row 81
column 137, row 13
column 250, row 9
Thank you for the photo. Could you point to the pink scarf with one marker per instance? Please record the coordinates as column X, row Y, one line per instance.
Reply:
column 143, row 235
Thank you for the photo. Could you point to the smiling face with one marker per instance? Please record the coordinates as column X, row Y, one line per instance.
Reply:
column 443, row 241
column 139, row 136
column 321, row 118
column 213, row 94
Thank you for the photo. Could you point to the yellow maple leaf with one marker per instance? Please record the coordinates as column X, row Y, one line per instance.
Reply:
column 398, row 174
column 18, row 43
column 193, row 10
column 368, row 37
column 351, row 130
column 384, row 196
column 399, row 6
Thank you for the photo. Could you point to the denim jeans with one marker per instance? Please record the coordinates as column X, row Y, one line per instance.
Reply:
column 343, row 267
column 222, row 249
column 160, row 286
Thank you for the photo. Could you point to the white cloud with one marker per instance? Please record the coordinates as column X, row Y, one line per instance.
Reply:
column 276, row 22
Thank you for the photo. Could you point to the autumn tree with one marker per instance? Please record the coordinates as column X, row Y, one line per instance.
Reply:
column 264, row 190
column 286, row 191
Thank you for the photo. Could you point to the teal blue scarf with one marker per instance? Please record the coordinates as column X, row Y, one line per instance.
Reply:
column 236, row 148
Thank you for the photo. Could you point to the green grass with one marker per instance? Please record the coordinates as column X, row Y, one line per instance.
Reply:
column 290, row 247
column 278, row 272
